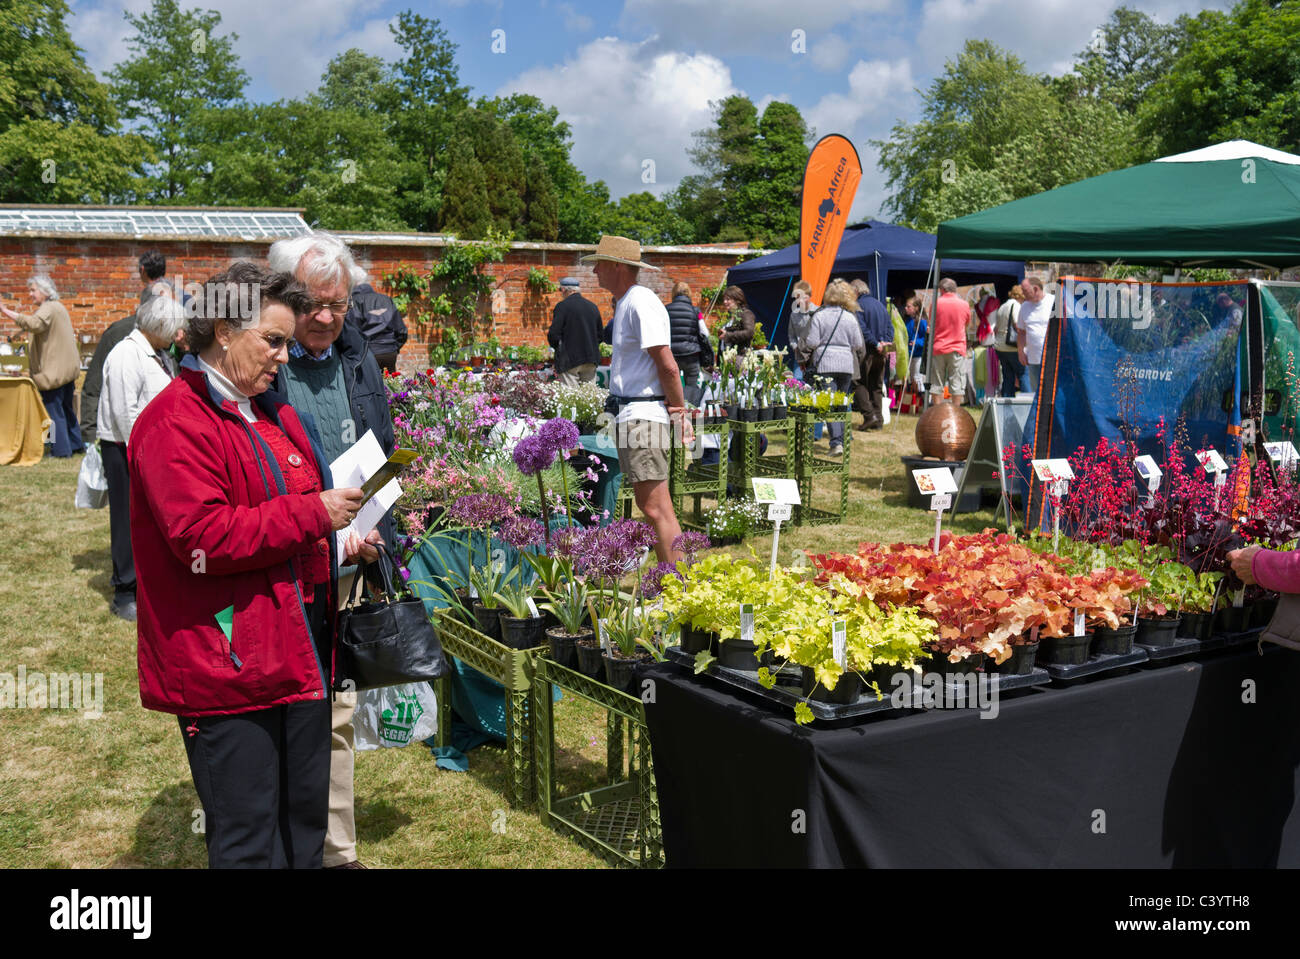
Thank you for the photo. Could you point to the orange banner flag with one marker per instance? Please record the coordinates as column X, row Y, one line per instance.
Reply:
column 830, row 182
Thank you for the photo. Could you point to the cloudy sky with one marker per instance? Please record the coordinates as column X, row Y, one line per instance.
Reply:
column 635, row 79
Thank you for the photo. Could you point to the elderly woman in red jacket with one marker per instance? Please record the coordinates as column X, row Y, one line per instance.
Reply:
column 232, row 524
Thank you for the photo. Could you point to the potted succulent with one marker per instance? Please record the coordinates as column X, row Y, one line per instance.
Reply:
column 522, row 625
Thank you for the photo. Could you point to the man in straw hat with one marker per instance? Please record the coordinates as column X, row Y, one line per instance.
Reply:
column 645, row 386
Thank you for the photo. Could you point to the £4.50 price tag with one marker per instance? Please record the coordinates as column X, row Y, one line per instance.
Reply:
column 779, row 512
column 941, row 501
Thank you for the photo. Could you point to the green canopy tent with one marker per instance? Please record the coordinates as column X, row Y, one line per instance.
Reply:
column 1234, row 204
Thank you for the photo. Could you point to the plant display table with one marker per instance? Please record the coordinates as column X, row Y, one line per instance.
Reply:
column 513, row 668
column 1164, row 767
column 689, row 477
column 619, row 821
column 751, row 463
column 809, row 465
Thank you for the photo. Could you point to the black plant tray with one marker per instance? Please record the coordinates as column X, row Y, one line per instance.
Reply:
column 1097, row 663
column 1249, row 637
column 1183, row 646
column 867, row 703
column 783, row 695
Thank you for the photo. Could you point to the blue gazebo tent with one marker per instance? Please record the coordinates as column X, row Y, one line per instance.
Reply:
column 890, row 258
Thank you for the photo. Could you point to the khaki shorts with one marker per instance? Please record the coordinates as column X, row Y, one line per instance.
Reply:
column 643, row 450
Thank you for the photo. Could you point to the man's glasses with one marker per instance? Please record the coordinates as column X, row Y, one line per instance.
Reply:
column 338, row 309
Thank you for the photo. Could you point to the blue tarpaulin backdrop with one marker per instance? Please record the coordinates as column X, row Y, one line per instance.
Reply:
column 1171, row 351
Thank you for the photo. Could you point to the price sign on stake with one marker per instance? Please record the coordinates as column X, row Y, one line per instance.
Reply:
column 747, row 622
column 1147, row 469
column 839, row 643
column 782, row 495
column 1283, row 454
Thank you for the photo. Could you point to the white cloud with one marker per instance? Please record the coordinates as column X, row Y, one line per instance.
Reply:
column 878, row 91
column 284, row 46
column 627, row 104
column 574, row 21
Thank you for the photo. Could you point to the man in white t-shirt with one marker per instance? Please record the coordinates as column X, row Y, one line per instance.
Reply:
column 644, row 384
column 1031, row 327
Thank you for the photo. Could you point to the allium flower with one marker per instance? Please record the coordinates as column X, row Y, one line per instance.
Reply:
column 533, row 454
column 560, row 434
column 611, row 551
column 522, row 532
column 479, row 510
column 567, row 542
column 652, row 585
column 690, row 543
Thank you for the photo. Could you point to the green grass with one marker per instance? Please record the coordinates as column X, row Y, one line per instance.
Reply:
column 116, row 791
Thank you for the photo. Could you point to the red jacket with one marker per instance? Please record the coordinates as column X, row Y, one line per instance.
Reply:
column 210, row 529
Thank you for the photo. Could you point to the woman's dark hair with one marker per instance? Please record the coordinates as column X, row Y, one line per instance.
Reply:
column 737, row 294
column 238, row 296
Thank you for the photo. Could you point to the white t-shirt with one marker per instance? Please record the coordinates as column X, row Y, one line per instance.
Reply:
column 1033, row 319
column 640, row 321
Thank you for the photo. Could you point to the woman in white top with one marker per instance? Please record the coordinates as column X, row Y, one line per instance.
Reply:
column 135, row 371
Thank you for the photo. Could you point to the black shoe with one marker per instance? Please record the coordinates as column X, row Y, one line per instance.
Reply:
column 124, row 608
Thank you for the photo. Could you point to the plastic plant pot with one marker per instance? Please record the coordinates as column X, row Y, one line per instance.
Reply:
column 488, row 620
column 846, row 692
column 780, row 412
column 526, row 633
column 1195, row 626
column 738, row 654
column 1064, row 650
column 620, row 673
column 765, row 413
column 563, row 646
column 590, row 661
column 1021, row 660
column 940, row 664
column 696, row 640
column 1232, row 619
column 1157, row 632
column 1113, row 642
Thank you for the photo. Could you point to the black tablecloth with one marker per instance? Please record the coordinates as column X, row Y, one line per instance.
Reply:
column 1171, row 761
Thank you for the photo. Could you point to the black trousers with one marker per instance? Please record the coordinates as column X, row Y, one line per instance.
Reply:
column 690, row 370
column 119, row 515
column 1013, row 371
column 264, row 780
column 869, row 390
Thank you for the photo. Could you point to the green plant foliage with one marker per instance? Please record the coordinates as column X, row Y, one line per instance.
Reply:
column 539, row 281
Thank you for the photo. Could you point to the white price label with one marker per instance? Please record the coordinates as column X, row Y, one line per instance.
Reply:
column 1239, row 598
column 779, row 512
column 747, row 622
column 839, row 643
column 532, row 607
column 941, row 501
column 473, row 591
column 604, row 636
column 1078, row 622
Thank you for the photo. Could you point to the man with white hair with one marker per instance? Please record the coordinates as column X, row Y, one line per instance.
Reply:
column 1031, row 328
column 135, row 371
column 333, row 376
column 53, row 362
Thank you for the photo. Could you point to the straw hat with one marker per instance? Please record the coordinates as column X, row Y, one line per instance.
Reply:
column 619, row 249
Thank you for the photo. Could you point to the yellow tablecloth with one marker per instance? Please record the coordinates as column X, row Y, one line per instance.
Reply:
column 23, row 421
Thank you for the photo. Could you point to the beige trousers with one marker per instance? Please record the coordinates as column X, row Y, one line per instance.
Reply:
column 577, row 375
column 341, row 830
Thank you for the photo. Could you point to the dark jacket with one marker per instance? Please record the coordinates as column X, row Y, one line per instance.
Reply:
column 93, row 385
column 684, row 324
column 377, row 318
column 738, row 333
column 874, row 322
column 204, row 486
column 575, row 332
column 368, row 398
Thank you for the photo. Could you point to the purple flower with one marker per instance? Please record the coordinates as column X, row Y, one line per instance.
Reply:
column 522, row 532
column 479, row 510
column 406, row 573
column 611, row 551
column 532, row 455
column 567, row 542
column 560, row 434
column 653, row 583
column 690, row 543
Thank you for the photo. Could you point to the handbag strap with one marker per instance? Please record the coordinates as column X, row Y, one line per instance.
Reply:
column 385, row 564
column 822, row 354
column 1012, row 315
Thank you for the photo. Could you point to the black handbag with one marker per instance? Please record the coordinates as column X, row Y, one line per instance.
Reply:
column 388, row 641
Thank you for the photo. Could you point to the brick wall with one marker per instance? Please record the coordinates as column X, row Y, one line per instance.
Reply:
column 98, row 279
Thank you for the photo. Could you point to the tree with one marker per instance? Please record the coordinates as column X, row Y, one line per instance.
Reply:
column 990, row 133
column 354, row 80
column 465, row 199
column 57, row 122
column 643, row 217
column 1128, row 53
column 429, row 96
column 1235, row 79
column 179, row 66
column 542, row 219
column 752, row 172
